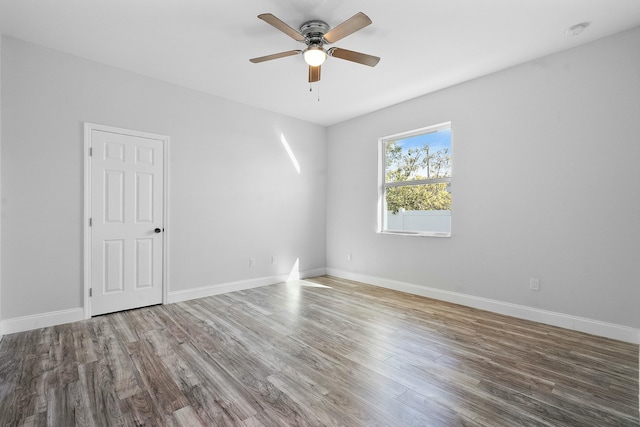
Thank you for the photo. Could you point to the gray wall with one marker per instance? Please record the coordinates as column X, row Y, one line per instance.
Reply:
column 545, row 154
column 234, row 191
column 551, row 145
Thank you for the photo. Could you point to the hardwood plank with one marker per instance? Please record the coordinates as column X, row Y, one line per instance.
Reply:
column 164, row 392
column 437, row 413
column 212, row 408
column 230, row 395
column 315, row 352
column 60, row 409
column 141, row 410
column 115, row 356
column 37, row 420
column 10, row 368
column 186, row 417
column 85, row 342
column 97, row 394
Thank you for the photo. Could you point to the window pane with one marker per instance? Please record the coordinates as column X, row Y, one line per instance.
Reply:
column 426, row 197
column 418, row 208
column 422, row 156
column 415, row 182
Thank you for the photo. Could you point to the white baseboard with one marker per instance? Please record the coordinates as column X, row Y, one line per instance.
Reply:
column 37, row 321
column 590, row 326
column 43, row 320
column 567, row 321
column 221, row 288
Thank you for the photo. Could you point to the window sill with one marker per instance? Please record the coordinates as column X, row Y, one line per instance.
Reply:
column 417, row 233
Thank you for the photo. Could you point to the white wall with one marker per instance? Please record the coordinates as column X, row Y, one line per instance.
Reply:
column 558, row 134
column 227, row 166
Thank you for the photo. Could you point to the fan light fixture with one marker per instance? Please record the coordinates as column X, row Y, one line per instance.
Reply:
column 316, row 35
column 314, row 56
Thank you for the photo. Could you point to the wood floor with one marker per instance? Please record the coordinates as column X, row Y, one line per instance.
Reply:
column 321, row 352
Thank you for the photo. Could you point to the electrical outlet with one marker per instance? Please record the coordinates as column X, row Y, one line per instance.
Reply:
column 348, row 257
column 274, row 260
column 252, row 262
column 534, row 284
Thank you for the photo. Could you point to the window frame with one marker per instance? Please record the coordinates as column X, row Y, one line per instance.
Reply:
column 383, row 185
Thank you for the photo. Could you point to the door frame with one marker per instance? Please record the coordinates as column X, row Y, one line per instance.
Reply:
column 88, row 128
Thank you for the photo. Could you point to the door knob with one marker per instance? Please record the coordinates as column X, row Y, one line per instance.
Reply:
column 158, row 230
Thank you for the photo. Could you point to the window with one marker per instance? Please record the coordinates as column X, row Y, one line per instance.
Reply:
column 415, row 182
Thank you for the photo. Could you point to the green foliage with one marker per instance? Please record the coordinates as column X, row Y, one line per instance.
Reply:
column 425, row 197
column 415, row 164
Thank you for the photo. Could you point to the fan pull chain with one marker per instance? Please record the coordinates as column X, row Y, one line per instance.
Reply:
column 317, row 89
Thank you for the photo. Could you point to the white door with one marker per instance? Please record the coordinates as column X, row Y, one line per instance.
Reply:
column 126, row 226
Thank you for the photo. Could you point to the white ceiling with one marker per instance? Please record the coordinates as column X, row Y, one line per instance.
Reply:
column 425, row 45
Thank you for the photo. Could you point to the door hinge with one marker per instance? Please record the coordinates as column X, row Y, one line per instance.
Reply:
column 90, row 151
column 90, row 222
column 90, row 292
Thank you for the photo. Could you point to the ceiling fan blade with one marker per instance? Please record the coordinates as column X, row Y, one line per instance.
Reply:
column 350, row 26
column 314, row 74
column 349, row 55
column 282, row 26
column 275, row 56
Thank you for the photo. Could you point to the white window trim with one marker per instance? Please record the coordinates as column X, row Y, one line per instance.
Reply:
column 382, row 185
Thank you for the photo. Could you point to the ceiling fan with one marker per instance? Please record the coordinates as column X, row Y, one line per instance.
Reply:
column 316, row 34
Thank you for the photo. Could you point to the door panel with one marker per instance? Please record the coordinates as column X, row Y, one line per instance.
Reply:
column 113, row 266
column 114, row 196
column 144, row 263
column 126, row 207
column 144, row 198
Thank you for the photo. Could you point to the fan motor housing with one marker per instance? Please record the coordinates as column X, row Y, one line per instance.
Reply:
column 313, row 31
